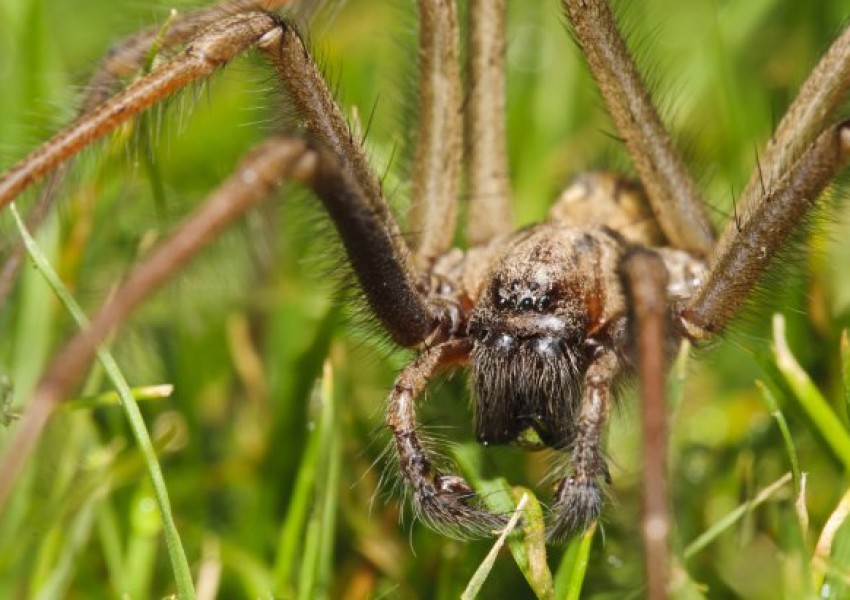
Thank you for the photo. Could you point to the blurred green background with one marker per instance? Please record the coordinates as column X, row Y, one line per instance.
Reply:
column 275, row 493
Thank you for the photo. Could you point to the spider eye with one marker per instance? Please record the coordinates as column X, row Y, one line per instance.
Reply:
column 526, row 304
column 544, row 303
column 502, row 302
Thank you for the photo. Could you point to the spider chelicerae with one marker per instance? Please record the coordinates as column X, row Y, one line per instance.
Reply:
column 547, row 318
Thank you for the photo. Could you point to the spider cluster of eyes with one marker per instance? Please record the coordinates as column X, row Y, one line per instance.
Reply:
column 524, row 302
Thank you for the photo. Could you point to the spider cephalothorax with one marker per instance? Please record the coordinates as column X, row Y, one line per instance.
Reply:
column 548, row 303
column 550, row 322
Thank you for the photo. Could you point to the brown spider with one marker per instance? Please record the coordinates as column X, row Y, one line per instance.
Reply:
column 549, row 318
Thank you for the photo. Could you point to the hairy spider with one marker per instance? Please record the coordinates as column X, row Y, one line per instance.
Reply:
column 547, row 319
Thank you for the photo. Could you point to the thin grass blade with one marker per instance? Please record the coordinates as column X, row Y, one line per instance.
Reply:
column 179, row 562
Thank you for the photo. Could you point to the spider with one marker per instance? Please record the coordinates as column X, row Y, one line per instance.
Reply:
column 547, row 319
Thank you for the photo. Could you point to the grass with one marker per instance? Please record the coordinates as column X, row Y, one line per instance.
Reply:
column 179, row 564
column 271, row 442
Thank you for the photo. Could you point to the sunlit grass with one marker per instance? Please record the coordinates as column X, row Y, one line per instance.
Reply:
column 271, row 444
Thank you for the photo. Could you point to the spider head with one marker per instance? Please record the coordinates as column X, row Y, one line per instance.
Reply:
column 529, row 353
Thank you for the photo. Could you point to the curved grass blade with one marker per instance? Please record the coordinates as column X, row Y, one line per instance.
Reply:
column 179, row 563
column 573, row 567
column 307, row 534
column 480, row 576
column 528, row 549
column 790, row 448
column 733, row 517
column 817, row 409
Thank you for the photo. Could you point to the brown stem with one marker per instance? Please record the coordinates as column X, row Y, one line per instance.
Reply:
column 257, row 176
column 645, row 278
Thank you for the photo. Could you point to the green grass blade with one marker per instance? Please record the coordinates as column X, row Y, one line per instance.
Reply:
column 573, row 568
column 291, row 533
column 179, row 563
column 532, row 545
column 845, row 370
column 308, row 535
column 111, row 397
column 790, row 448
column 480, row 576
column 318, row 549
column 333, row 439
column 733, row 517
column 109, row 534
column 142, row 547
column 824, row 419
column 528, row 549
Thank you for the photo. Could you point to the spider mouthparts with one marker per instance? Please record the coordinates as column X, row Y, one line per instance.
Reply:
column 548, row 346
column 504, row 342
column 544, row 345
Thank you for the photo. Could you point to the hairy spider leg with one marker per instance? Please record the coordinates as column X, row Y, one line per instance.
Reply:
column 444, row 501
column 745, row 254
column 126, row 57
column 438, row 155
column 578, row 497
column 670, row 188
column 488, row 186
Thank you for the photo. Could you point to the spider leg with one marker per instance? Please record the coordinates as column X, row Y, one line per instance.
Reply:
column 645, row 281
column 257, row 176
column 125, row 58
column 210, row 50
column 578, row 498
column 671, row 190
column 130, row 54
column 317, row 108
column 352, row 195
column 744, row 256
column 810, row 113
column 487, row 168
column 804, row 155
column 444, row 501
column 439, row 136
